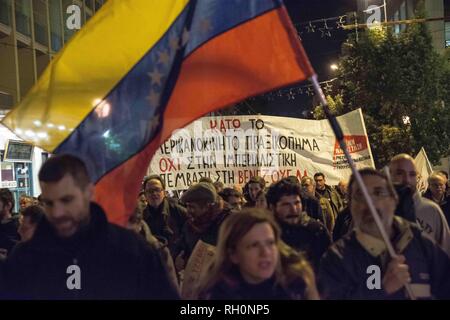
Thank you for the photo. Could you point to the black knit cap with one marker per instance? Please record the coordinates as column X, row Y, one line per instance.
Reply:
column 202, row 192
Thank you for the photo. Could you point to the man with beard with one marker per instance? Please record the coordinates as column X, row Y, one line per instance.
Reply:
column 298, row 230
column 346, row 268
column 75, row 253
column 428, row 214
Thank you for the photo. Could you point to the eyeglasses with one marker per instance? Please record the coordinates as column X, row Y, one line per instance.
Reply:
column 379, row 194
column 153, row 190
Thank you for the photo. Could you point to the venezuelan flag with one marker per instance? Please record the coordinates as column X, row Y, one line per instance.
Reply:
column 139, row 69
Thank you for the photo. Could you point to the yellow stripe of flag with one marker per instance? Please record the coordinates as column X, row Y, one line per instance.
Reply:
column 89, row 66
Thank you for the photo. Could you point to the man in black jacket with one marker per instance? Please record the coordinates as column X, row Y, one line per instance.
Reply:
column 75, row 253
column 297, row 229
column 164, row 216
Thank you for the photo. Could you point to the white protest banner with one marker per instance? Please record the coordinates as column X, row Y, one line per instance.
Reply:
column 232, row 149
column 424, row 170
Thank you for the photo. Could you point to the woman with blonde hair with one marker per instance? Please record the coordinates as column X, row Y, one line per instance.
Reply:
column 251, row 262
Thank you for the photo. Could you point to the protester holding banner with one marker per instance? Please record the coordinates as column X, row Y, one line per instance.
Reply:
column 297, row 229
column 251, row 263
column 358, row 266
column 429, row 215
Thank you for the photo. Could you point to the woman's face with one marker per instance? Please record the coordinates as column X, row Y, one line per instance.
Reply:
column 256, row 254
column 261, row 202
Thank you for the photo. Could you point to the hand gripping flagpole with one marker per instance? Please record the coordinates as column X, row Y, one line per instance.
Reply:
column 340, row 137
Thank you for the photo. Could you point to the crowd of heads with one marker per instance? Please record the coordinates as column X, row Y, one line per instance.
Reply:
column 249, row 242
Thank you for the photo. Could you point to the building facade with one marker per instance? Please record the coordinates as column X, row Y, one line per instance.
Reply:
column 405, row 9
column 31, row 33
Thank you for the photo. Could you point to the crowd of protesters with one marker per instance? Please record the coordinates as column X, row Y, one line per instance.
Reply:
column 293, row 239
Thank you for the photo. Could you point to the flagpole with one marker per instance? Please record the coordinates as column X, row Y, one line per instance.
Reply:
column 340, row 137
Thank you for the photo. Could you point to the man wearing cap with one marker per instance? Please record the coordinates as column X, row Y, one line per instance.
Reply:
column 164, row 216
column 205, row 214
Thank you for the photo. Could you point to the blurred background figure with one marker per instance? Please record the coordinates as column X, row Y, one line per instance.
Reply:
column 233, row 198
column 137, row 224
column 25, row 201
column 9, row 222
column 261, row 201
column 251, row 189
column 341, row 190
column 28, row 221
column 219, row 186
column 437, row 187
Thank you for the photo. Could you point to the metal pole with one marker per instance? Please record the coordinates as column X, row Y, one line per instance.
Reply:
column 340, row 137
column 385, row 11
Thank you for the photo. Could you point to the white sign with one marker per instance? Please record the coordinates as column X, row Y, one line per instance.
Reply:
column 8, row 184
column 232, row 149
column 424, row 170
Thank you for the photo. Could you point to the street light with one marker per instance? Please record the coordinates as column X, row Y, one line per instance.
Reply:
column 406, row 120
column 334, row 67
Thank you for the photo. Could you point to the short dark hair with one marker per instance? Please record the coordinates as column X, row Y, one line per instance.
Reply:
column 6, row 196
column 153, row 177
column 318, row 174
column 229, row 192
column 257, row 179
column 284, row 187
column 34, row 213
column 293, row 179
column 56, row 167
column 371, row 172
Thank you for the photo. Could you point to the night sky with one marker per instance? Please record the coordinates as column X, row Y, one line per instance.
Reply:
column 322, row 52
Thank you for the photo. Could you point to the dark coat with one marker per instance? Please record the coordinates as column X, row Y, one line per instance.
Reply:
column 210, row 236
column 9, row 236
column 309, row 237
column 238, row 289
column 115, row 263
column 343, row 224
column 343, row 268
column 167, row 222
